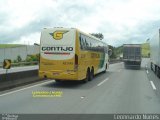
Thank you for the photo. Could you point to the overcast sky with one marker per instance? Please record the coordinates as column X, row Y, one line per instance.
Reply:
column 120, row 21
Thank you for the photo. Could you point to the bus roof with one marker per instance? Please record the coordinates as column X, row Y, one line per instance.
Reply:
column 89, row 35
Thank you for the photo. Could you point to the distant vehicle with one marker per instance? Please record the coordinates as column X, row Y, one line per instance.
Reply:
column 132, row 55
column 155, row 53
column 69, row 54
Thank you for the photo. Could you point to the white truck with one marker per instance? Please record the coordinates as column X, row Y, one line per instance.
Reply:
column 155, row 53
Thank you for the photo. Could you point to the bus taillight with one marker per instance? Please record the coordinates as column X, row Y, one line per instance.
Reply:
column 76, row 62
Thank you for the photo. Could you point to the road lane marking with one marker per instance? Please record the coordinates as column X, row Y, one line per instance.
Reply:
column 119, row 70
column 26, row 88
column 103, row 82
column 147, row 71
column 153, row 86
column 146, row 66
column 82, row 97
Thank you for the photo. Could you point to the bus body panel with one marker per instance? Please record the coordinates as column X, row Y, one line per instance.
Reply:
column 89, row 58
column 57, row 53
column 62, row 57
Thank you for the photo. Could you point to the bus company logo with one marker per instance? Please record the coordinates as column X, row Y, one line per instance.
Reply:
column 58, row 35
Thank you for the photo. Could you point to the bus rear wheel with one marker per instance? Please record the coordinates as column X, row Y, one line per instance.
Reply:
column 151, row 67
column 58, row 81
column 87, row 77
column 91, row 74
column 157, row 72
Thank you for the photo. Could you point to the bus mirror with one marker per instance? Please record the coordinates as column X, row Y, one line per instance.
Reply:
column 109, row 52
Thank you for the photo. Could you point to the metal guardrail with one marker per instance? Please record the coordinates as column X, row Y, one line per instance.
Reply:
column 12, row 80
column 21, row 64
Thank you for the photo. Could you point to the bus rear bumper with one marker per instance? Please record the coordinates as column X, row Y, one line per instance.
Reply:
column 58, row 75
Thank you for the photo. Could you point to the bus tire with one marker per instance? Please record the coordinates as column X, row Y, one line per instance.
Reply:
column 91, row 74
column 157, row 72
column 87, row 76
column 58, row 81
column 151, row 67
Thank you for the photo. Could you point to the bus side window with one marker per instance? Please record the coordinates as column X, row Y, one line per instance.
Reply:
column 86, row 43
column 83, row 44
column 105, row 49
column 90, row 44
column 80, row 40
column 93, row 45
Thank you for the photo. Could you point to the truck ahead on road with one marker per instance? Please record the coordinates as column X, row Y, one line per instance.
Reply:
column 155, row 53
column 132, row 55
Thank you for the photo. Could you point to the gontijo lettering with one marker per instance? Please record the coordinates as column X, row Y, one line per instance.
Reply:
column 57, row 35
column 57, row 48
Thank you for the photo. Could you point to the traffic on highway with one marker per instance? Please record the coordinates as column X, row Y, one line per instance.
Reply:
column 135, row 91
column 80, row 60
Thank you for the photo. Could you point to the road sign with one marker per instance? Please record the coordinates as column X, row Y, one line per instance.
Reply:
column 7, row 64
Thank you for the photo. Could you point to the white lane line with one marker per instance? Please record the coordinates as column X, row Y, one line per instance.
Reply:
column 82, row 97
column 147, row 71
column 103, row 82
column 119, row 70
column 153, row 86
column 26, row 88
column 146, row 66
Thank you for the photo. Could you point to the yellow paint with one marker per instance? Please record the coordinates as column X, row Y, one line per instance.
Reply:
column 7, row 64
column 58, row 35
column 66, row 69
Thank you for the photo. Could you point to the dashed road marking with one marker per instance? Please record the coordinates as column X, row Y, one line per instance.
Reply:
column 82, row 97
column 153, row 86
column 103, row 81
column 147, row 71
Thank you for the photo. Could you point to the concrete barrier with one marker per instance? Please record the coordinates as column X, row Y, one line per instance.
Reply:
column 11, row 80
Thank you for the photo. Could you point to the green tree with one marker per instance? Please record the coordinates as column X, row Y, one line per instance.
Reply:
column 98, row 35
column 113, row 52
column 32, row 58
column 19, row 59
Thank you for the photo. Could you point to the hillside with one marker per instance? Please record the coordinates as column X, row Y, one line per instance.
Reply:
column 116, row 51
column 145, row 50
column 119, row 51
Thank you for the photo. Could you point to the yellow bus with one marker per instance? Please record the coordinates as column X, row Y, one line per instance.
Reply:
column 69, row 54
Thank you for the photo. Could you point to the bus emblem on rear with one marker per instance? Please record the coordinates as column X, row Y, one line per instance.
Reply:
column 57, row 35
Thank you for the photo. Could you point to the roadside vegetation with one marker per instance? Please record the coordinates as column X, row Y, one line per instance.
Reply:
column 145, row 50
column 10, row 45
column 30, row 60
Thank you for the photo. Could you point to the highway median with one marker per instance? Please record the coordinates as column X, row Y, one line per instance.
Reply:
column 11, row 80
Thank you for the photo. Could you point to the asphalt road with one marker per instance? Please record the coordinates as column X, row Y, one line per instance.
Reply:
column 119, row 90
